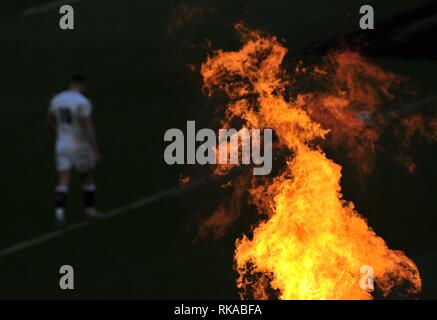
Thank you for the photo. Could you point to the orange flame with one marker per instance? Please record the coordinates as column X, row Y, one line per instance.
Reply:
column 355, row 89
column 184, row 180
column 313, row 242
column 407, row 130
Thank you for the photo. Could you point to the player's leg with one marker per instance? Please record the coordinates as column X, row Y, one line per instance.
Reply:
column 61, row 193
column 85, row 162
column 63, row 167
column 89, row 193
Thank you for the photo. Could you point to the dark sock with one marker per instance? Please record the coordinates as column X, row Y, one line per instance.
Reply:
column 89, row 195
column 61, row 193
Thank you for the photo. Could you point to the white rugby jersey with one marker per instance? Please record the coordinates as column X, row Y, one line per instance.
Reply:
column 68, row 107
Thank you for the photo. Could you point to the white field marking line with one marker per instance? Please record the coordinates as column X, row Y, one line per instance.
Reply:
column 80, row 225
column 137, row 204
column 47, row 6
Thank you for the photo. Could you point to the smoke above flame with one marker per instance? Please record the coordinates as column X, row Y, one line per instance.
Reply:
column 312, row 242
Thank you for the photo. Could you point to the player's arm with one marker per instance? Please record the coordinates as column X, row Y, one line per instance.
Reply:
column 88, row 127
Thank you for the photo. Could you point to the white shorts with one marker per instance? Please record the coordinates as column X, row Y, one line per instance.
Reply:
column 79, row 155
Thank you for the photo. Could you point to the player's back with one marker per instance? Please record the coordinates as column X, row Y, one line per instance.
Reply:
column 68, row 107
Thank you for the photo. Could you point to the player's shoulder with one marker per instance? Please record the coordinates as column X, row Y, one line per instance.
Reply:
column 57, row 98
column 82, row 99
column 69, row 98
column 58, row 95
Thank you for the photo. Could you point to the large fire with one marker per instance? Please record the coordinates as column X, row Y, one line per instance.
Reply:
column 313, row 242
